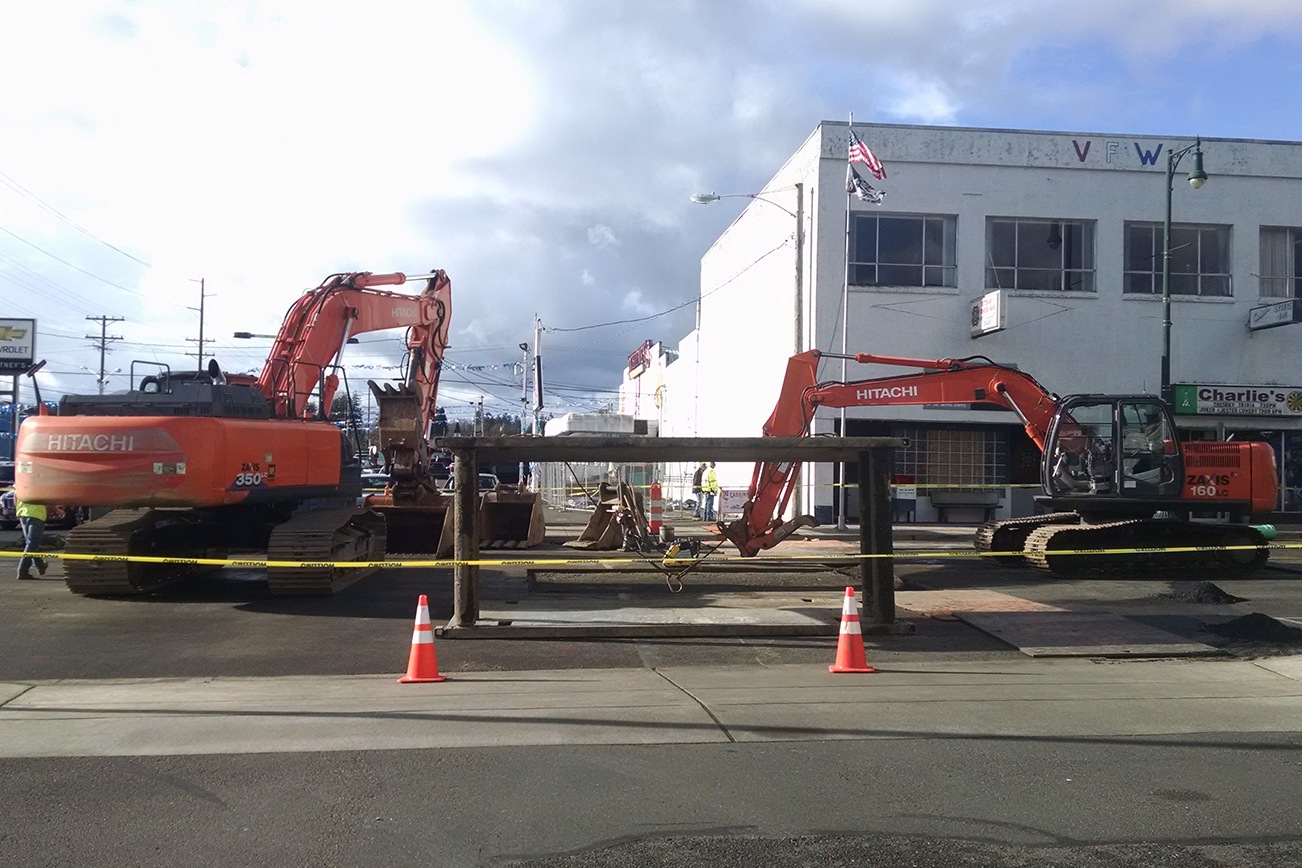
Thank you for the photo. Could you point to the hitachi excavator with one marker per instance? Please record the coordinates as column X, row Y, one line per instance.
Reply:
column 1115, row 479
column 198, row 465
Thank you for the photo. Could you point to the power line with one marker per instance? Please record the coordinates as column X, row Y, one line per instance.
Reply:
column 70, row 265
column 693, row 300
column 14, row 185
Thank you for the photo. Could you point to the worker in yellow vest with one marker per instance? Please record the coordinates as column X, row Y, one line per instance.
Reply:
column 32, row 518
column 710, row 490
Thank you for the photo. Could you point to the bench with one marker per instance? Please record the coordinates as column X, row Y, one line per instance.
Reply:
column 986, row 500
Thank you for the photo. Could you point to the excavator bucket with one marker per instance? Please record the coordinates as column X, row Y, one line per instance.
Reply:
column 506, row 520
column 412, row 528
column 511, row 519
column 604, row 531
column 416, row 516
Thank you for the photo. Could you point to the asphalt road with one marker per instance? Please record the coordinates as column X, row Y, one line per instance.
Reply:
column 1215, row 798
column 1207, row 801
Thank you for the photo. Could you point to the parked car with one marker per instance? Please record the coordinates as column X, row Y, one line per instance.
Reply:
column 60, row 515
column 487, row 482
column 374, row 481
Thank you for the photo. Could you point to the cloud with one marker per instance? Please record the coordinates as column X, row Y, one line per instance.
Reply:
column 265, row 145
column 602, row 236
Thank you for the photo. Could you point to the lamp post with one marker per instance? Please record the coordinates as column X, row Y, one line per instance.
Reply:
column 799, row 215
column 1197, row 177
column 799, row 301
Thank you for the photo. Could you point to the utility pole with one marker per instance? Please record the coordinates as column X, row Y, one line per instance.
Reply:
column 103, row 341
column 199, row 280
column 524, row 403
column 537, row 376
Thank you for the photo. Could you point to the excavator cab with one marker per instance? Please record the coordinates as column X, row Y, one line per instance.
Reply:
column 1102, row 447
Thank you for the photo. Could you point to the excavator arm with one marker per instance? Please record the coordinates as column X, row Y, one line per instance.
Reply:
column 942, row 381
column 319, row 324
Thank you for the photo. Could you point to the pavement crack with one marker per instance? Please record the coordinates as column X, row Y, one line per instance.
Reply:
column 27, row 688
column 698, row 701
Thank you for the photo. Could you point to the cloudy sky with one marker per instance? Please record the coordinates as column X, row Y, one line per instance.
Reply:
column 542, row 151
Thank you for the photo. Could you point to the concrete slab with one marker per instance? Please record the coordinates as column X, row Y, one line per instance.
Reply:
column 1015, row 698
column 949, row 602
column 9, row 691
column 1031, row 699
column 1082, row 634
column 560, row 619
column 576, row 605
column 1289, row 667
column 275, row 715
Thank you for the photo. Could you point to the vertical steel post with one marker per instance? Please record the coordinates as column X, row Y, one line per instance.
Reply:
column 877, row 574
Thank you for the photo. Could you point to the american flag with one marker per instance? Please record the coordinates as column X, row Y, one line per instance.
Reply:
column 859, row 153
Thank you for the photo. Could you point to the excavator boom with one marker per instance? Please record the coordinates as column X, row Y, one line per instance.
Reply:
column 943, row 381
column 1112, row 461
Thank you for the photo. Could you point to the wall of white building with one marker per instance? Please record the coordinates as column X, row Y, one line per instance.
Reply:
column 753, row 316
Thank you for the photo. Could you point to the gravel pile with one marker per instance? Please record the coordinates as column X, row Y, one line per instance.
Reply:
column 1200, row 592
column 1256, row 628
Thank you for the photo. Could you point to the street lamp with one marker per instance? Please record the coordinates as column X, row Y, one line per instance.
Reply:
column 1197, row 177
column 799, row 215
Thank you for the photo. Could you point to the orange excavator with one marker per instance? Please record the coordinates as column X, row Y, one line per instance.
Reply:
column 202, row 464
column 1114, row 475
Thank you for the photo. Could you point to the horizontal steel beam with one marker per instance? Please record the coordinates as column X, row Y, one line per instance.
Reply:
column 627, row 447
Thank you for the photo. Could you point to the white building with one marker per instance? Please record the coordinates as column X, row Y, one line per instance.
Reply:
column 1069, row 227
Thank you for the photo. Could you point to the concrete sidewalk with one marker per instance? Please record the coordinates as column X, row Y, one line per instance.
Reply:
column 1069, row 699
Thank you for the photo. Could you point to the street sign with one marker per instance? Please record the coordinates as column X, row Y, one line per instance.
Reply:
column 1268, row 316
column 989, row 313
column 1205, row 400
column 17, row 345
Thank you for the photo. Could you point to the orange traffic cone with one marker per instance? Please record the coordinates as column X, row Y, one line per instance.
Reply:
column 850, row 655
column 422, row 665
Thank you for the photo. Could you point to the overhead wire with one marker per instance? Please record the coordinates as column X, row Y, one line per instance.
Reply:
column 19, row 188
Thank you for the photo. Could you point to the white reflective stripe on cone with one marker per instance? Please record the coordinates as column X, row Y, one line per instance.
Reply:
column 850, row 626
column 426, row 636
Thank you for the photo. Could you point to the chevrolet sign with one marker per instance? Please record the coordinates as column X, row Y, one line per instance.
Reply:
column 17, row 345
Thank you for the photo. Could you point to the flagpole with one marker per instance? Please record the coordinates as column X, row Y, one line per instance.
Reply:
column 845, row 328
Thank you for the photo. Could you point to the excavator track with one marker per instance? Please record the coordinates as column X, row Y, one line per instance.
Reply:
column 1049, row 548
column 1006, row 538
column 320, row 538
column 126, row 532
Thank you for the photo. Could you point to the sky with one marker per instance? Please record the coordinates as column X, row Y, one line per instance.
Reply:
column 542, row 152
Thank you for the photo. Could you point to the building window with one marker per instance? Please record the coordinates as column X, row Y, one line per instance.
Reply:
column 1200, row 259
column 1053, row 255
column 1281, row 249
column 958, row 458
column 901, row 250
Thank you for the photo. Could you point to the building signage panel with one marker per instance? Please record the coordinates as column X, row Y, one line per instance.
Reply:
column 1268, row 316
column 989, row 313
column 17, row 345
column 1192, row 400
column 639, row 360
column 731, row 502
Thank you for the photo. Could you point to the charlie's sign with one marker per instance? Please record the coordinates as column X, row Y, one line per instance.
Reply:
column 1238, row 400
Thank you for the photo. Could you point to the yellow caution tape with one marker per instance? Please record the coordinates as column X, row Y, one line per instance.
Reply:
column 630, row 557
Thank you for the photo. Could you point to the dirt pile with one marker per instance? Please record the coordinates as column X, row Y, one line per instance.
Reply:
column 1200, row 592
column 1256, row 628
